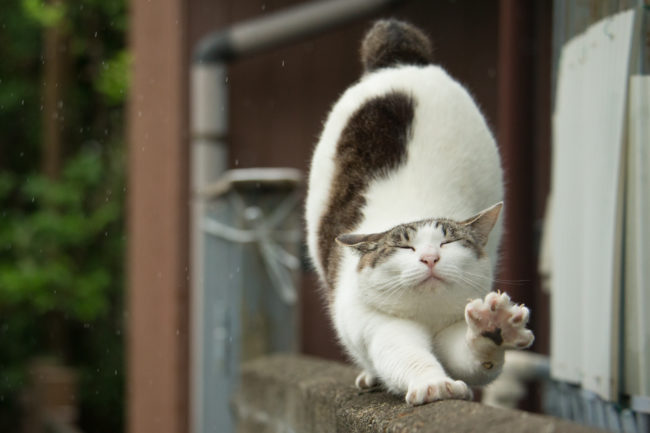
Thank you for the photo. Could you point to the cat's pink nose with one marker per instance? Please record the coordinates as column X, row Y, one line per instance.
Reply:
column 430, row 259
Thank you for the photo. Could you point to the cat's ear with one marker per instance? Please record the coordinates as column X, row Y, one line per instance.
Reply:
column 362, row 243
column 483, row 222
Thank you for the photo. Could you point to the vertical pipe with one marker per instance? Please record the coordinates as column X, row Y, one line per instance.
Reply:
column 209, row 159
column 515, row 134
column 542, row 156
column 515, row 128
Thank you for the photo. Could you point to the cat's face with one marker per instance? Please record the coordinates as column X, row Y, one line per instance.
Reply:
column 430, row 255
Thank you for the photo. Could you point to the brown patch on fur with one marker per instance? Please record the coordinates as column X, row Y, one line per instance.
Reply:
column 392, row 42
column 372, row 144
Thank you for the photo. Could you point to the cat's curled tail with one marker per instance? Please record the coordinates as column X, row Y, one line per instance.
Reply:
column 392, row 42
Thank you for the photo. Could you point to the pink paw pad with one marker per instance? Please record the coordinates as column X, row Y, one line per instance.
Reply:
column 499, row 320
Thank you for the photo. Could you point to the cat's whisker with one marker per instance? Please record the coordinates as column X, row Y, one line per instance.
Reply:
column 395, row 283
column 470, row 281
column 497, row 280
column 464, row 277
column 400, row 285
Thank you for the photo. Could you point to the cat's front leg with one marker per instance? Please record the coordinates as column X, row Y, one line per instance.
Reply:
column 401, row 355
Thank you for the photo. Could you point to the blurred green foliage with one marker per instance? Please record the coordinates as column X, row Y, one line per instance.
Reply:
column 62, row 241
column 46, row 14
column 54, row 238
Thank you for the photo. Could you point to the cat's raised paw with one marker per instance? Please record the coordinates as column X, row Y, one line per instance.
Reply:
column 498, row 319
column 365, row 380
column 434, row 390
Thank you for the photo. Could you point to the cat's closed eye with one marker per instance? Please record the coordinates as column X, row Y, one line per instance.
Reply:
column 406, row 247
column 443, row 243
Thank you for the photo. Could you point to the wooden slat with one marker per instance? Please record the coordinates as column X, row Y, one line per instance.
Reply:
column 158, row 220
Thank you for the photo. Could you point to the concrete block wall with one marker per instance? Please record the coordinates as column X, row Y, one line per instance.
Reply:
column 298, row 394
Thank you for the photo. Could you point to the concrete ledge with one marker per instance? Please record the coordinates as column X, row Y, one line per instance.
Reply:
column 288, row 393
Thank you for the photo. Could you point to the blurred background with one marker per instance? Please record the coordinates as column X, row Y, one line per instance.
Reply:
column 63, row 89
column 121, row 238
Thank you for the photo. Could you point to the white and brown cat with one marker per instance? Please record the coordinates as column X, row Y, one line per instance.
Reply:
column 402, row 213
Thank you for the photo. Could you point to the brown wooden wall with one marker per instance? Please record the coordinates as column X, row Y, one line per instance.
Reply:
column 278, row 102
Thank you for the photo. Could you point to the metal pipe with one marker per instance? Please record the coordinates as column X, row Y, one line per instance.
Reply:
column 282, row 27
column 208, row 160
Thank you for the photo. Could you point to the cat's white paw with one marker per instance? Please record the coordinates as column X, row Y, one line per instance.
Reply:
column 444, row 388
column 365, row 380
column 499, row 320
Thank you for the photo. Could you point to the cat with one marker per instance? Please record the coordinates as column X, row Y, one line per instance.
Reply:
column 402, row 214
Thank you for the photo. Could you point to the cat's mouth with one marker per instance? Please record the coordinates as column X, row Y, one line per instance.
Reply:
column 432, row 277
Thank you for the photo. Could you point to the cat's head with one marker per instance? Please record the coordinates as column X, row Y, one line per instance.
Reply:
column 429, row 254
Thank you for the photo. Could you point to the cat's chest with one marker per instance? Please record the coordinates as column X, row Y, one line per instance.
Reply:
column 434, row 311
column 436, row 319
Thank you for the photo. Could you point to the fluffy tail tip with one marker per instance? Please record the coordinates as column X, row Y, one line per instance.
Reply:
column 391, row 42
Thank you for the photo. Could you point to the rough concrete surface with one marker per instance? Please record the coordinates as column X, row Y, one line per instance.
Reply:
column 299, row 394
